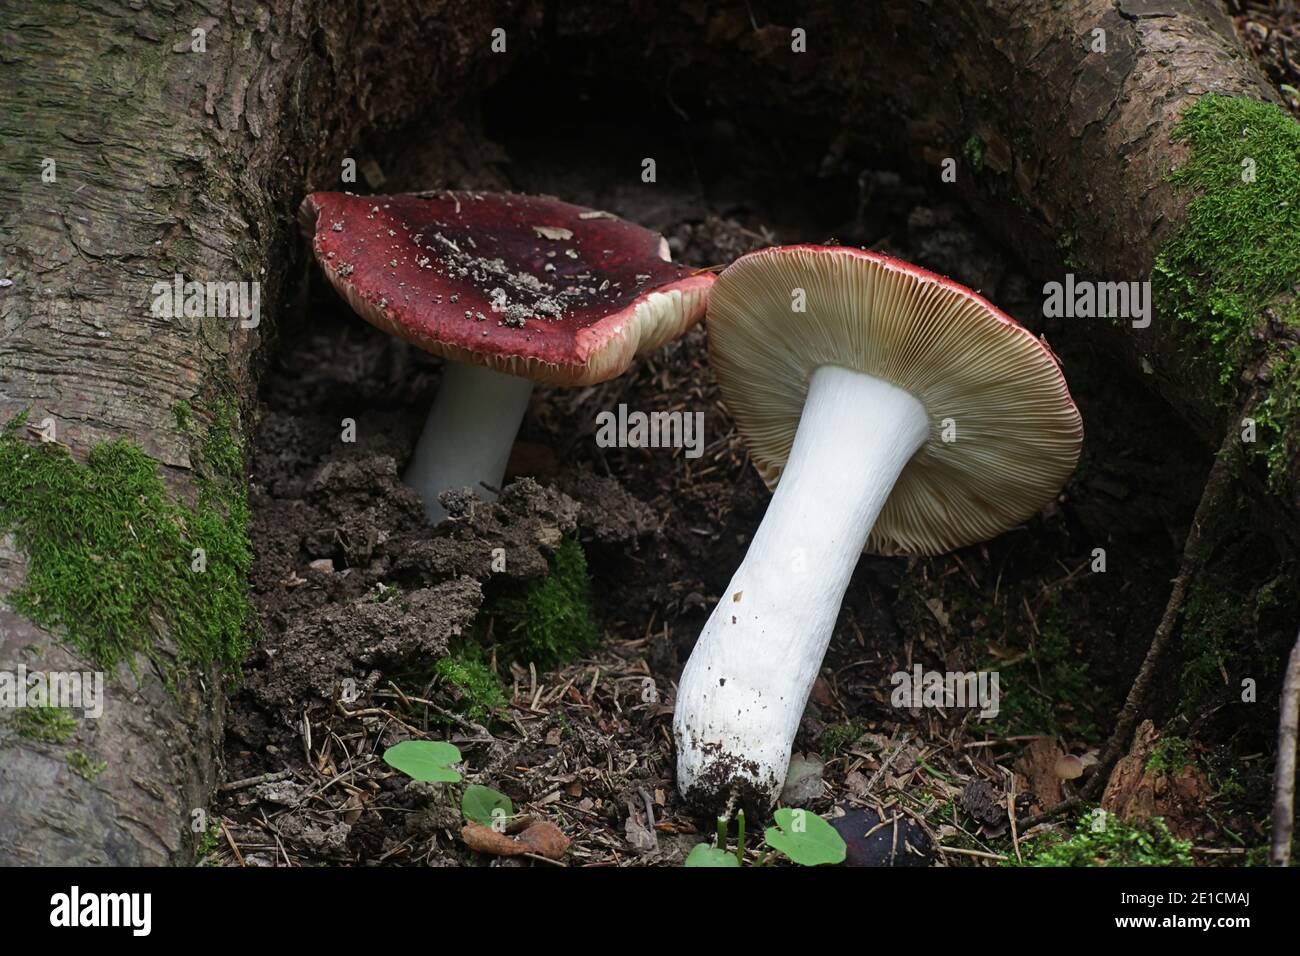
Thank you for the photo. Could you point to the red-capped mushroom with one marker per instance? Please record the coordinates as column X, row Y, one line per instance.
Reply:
column 511, row 290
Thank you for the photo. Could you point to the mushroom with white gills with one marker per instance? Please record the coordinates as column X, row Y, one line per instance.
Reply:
column 510, row 290
column 900, row 413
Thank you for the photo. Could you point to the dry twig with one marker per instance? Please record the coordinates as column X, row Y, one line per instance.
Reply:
column 1284, row 774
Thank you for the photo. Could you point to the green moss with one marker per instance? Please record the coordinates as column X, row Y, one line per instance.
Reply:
column 1237, row 255
column 383, row 593
column 973, row 152
column 837, row 738
column 476, row 683
column 1113, row 843
column 1239, row 247
column 1277, row 420
column 221, row 447
column 110, row 551
column 1263, row 855
column 1237, row 620
column 80, row 764
column 1229, row 786
column 1048, row 690
column 1170, row 755
column 1065, row 244
column 208, row 843
column 184, row 416
column 49, row 725
column 547, row 621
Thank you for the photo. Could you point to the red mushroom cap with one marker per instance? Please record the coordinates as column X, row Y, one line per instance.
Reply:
column 522, row 284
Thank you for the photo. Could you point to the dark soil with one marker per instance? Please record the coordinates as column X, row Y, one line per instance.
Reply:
column 359, row 597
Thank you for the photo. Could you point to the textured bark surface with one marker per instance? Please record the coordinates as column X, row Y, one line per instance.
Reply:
column 1080, row 142
column 170, row 161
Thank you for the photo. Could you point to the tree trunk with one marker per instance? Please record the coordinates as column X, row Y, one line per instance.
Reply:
column 1077, row 147
column 134, row 153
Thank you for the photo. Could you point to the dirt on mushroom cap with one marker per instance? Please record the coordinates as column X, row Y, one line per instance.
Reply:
column 525, row 285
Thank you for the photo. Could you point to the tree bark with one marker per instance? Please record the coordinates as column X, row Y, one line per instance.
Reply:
column 1080, row 146
column 171, row 160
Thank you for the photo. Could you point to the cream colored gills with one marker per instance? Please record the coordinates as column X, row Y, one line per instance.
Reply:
column 1017, row 431
column 843, row 370
column 745, row 686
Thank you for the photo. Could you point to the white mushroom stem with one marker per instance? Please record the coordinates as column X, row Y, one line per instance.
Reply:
column 468, row 435
column 744, row 688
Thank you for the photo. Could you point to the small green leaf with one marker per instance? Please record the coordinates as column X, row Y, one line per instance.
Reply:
column 805, row 838
column 426, row 760
column 705, row 855
column 484, row 805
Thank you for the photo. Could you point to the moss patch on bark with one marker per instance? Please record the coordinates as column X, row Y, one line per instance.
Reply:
column 1239, row 248
column 49, row 725
column 115, row 561
column 1234, row 265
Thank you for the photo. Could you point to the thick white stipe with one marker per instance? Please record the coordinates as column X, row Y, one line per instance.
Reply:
column 468, row 435
column 744, row 688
